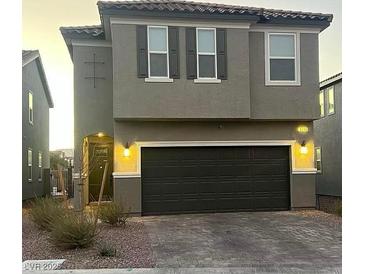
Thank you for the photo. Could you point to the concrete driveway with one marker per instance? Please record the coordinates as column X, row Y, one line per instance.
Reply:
column 289, row 241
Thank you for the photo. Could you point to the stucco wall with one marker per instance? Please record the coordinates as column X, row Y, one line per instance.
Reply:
column 34, row 136
column 328, row 136
column 133, row 98
column 133, row 132
column 93, row 106
column 284, row 102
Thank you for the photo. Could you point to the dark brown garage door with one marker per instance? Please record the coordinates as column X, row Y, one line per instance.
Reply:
column 214, row 179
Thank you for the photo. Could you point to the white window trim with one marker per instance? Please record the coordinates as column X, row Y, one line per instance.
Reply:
column 31, row 121
column 316, row 160
column 324, row 104
column 30, row 165
column 40, row 165
column 158, row 79
column 328, row 100
column 206, row 79
column 297, row 81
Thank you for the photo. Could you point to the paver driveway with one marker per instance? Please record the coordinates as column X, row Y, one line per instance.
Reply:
column 293, row 240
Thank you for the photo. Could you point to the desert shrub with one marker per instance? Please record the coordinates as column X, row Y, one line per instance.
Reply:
column 43, row 212
column 74, row 230
column 113, row 213
column 338, row 208
column 106, row 250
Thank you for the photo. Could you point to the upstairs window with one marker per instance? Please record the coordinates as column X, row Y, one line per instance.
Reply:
column 318, row 159
column 30, row 107
column 30, row 161
column 158, row 59
column 331, row 100
column 206, row 53
column 282, row 59
column 321, row 103
column 40, row 166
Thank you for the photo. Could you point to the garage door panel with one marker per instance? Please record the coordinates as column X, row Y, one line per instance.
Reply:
column 214, row 179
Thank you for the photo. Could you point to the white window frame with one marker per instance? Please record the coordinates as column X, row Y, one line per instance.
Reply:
column 40, row 165
column 30, row 107
column 158, row 78
column 328, row 100
column 206, row 79
column 296, row 81
column 322, row 93
column 30, row 165
column 318, row 160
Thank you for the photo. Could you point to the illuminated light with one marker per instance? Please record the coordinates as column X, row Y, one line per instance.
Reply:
column 302, row 129
column 303, row 148
column 100, row 134
column 126, row 151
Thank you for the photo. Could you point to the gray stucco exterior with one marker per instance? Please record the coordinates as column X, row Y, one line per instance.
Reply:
column 242, row 108
column 34, row 136
column 328, row 136
column 182, row 99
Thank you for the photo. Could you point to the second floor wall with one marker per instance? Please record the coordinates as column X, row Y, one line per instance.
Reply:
column 245, row 92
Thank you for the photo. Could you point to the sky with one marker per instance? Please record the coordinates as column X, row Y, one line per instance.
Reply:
column 42, row 19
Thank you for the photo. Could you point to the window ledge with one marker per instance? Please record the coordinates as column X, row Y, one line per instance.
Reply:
column 207, row 81
column 158, row 80
column 282, row 83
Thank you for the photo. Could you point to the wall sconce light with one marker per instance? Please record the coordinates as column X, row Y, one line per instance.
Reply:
column 126, row 151
column 303, row 148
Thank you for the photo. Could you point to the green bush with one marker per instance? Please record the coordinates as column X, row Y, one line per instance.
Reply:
column 106, row 250
column 338, row 209
column 43, row 212
column 112, row 213
column 74, row 230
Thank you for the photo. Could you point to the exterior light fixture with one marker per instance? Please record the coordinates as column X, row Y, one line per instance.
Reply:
column 302, row 129
column 303, row 148
column 126, row 152
column 100, row 134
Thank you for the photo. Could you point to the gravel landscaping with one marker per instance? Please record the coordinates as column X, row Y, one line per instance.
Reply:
column 132, row 244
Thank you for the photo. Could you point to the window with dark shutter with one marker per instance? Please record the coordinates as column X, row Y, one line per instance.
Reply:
column 174, row 63
column 221, row 54
column 190, row 53
column 142, row 52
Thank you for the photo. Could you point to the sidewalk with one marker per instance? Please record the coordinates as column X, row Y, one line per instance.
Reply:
column 234, row 270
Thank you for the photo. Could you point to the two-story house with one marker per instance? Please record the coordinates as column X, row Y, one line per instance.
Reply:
column 328, row 144
column 36, row 102
column 199, row 107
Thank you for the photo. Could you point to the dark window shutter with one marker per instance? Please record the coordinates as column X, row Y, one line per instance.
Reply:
column 221, row 54
column 190, row 53
column 142, row 52
column 174, row 65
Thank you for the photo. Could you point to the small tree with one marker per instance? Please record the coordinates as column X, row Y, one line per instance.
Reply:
column 56, row 159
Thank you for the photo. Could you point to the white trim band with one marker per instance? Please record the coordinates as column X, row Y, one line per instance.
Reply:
column 304, row 171
column 178, row 23
column 118, row 175
column 91, row 43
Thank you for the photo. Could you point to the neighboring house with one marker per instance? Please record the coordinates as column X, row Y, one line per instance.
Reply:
column 66, row 154
column 197, row 107
column 36, row 101
column 328, row 144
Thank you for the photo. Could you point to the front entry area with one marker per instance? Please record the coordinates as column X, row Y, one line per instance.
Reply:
column 214, row 179
column 97, row 150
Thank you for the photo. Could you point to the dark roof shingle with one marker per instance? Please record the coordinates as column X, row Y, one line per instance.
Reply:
column 94, row 31
column 189, row 6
